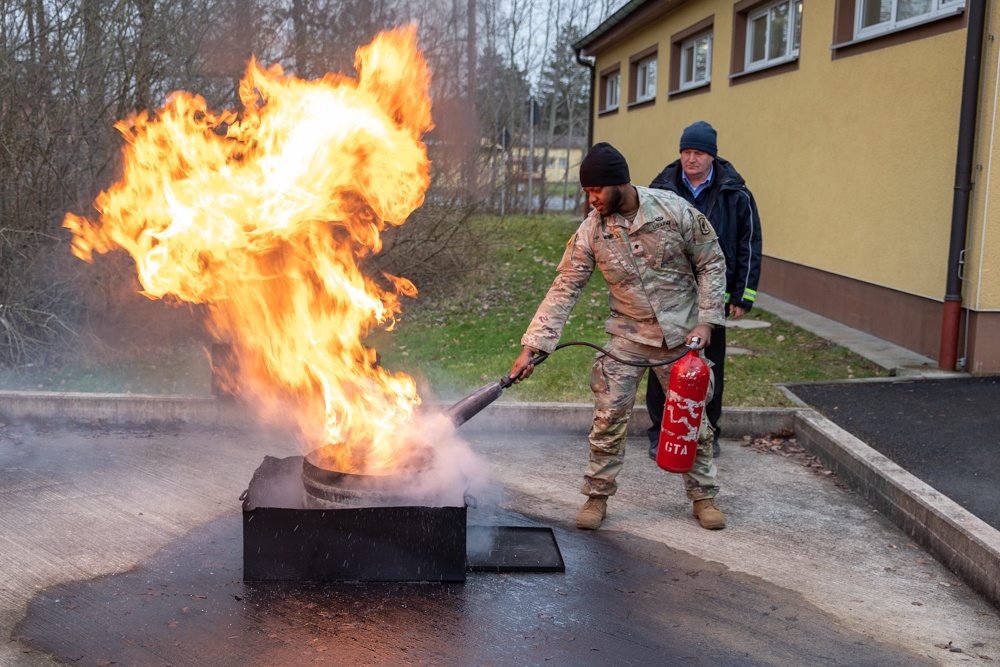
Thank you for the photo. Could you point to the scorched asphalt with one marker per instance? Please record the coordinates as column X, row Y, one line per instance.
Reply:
column 624, row 602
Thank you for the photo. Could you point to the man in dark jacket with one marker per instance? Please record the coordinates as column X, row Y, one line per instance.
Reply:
column 717, row 190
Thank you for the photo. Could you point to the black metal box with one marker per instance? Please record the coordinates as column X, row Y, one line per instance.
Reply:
column 285, row 541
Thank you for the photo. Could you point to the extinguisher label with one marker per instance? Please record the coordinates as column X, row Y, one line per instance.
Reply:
column 675, row 448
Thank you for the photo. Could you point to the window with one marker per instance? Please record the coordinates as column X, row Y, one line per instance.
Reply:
column 613, row 91
column 773, row 34
column 863, row 26
column 645, row 77
column 642, row 71
column 696, row 62
column 691, row 59
column 876, row 17
column 610, row 89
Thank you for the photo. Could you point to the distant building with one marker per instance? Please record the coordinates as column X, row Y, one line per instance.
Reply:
column 556, row 161
column 844, row 117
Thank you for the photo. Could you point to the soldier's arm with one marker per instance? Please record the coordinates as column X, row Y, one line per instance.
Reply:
column 574, row 270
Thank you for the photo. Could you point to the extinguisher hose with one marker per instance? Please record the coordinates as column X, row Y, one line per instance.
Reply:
column 507, row 381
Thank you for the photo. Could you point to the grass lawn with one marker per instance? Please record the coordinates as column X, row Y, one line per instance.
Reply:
column 455, row 342
column 455, row 339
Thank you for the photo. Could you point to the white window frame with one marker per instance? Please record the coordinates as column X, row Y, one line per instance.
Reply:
column 612, row 91
column 938, row 9
column 794, row 28
column 645, row 85
column 692, row 46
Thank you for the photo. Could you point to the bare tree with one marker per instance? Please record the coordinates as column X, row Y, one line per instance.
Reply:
column 565, row 94
column 69, row 69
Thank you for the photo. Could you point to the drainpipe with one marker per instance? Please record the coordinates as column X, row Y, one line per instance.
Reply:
column 951, row 317
column 589, row 64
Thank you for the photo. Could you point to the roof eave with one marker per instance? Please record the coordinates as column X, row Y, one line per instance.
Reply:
column 622, row 24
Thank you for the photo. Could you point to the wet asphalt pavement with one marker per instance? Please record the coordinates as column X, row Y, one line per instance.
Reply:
column 944, row 432
column 622, row 601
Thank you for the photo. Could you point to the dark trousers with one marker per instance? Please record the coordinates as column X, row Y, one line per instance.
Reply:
column 656, row 398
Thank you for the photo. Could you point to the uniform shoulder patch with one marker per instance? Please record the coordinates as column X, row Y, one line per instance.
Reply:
column 703, row 228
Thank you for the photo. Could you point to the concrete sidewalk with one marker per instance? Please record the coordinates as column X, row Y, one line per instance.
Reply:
column 894, row 358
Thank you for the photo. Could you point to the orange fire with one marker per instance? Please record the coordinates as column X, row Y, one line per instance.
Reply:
column 263, row 217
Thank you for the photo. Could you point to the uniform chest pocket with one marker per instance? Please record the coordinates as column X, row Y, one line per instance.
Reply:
column 654, row 244
column 612, row 263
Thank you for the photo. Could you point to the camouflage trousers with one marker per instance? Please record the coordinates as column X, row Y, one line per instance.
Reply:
column 614, row 385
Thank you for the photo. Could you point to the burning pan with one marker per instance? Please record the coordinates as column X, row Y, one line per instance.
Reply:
column 332, row 489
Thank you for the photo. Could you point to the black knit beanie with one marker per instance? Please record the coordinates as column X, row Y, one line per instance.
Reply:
column 701, row 137
column 604, row 165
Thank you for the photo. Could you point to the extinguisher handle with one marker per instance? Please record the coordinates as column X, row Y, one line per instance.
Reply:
column 506, row 381
column 695, row 342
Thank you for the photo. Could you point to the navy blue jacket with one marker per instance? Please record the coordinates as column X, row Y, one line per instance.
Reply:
column 730, row 207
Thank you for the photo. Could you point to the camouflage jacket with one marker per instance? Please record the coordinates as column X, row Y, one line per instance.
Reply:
column 664, row 278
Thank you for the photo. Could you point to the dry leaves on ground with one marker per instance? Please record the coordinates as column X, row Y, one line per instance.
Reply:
column 785, row 444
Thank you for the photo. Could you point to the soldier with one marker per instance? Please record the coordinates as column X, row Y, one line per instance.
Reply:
column 666, row 278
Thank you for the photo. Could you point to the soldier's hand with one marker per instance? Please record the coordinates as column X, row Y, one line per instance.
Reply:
column 702, row 332
column 522, row 370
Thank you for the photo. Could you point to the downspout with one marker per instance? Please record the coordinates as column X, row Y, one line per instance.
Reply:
column 952, row 312
column 589, row 64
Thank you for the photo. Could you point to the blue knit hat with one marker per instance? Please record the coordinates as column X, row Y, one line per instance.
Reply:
column 701, row 137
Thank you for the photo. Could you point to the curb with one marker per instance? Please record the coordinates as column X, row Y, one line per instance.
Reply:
column 121, row 408
column 965, row 544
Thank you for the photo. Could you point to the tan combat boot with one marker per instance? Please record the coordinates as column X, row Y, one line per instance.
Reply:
column 709, row 515
column 592, row 513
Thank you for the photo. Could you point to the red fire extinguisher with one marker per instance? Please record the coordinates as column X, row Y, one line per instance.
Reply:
column 686, row 394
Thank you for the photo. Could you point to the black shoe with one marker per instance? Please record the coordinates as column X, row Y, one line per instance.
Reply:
column 652, row 450
column 716, row 450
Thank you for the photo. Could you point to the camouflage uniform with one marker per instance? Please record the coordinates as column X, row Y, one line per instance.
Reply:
column 665, row 274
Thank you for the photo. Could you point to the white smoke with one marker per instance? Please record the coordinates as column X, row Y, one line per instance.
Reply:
column 451, row 473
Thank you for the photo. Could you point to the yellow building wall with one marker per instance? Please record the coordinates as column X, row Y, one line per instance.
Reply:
column 852, row 161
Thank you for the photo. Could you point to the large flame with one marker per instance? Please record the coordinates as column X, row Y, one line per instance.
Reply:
column 263, row 216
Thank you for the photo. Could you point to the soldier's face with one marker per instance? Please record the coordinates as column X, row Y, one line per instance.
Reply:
column 605, row 199
column 696, row 164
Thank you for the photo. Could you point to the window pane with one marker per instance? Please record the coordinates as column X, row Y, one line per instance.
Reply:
column 798, row 26
column 758, row 35
column 874, row 12
column 778, row 46
column 701, row 59
column 687, row 76
column 908, row 9
column 651, row 78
